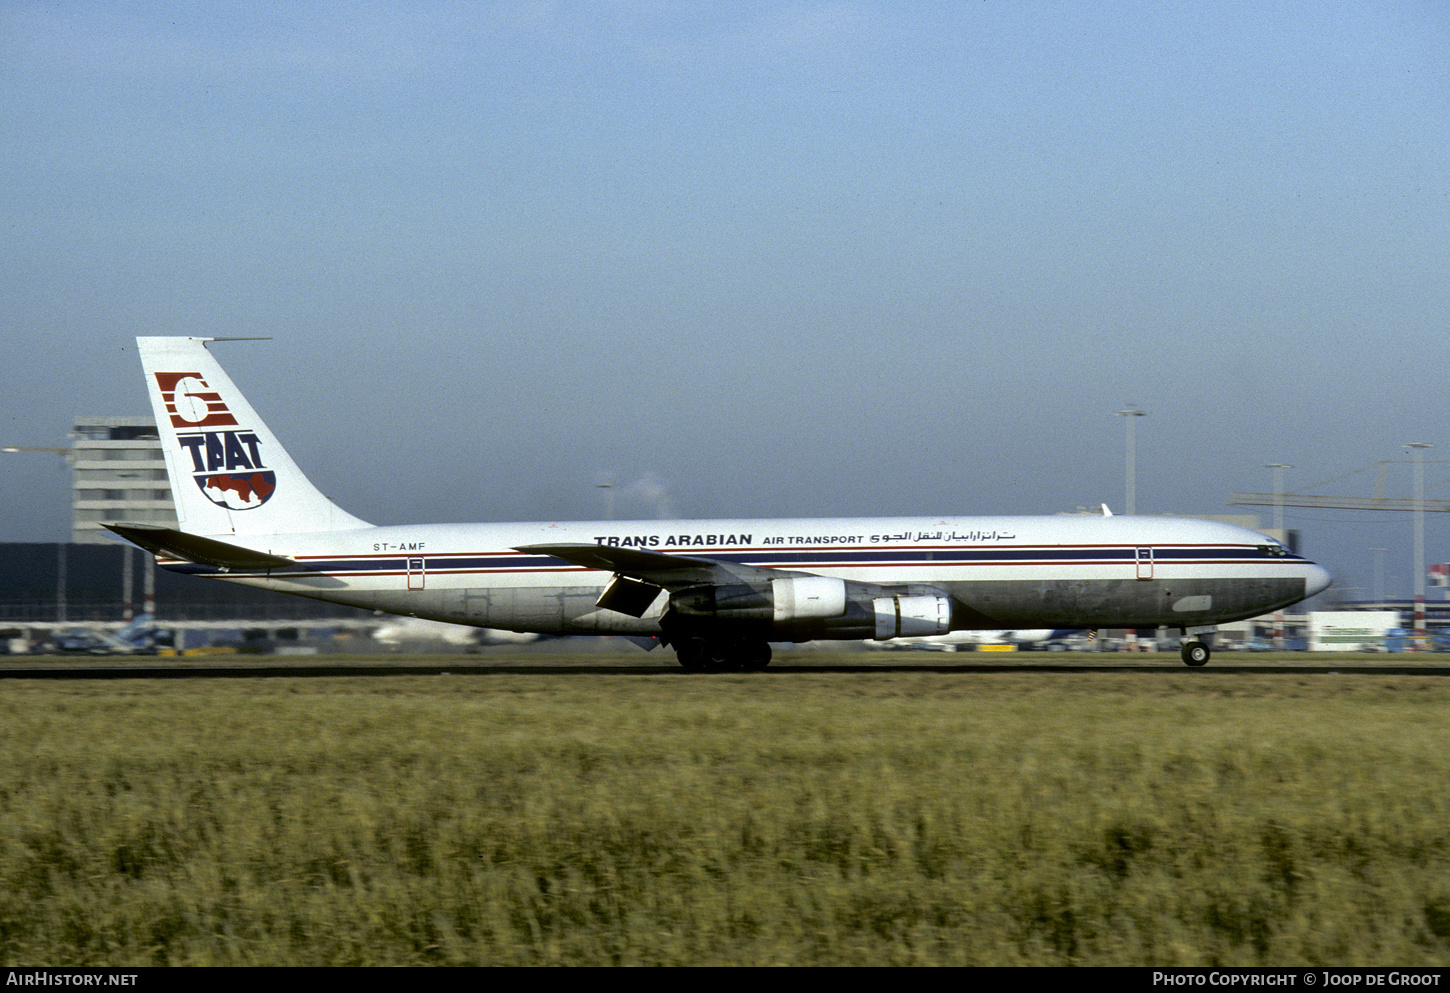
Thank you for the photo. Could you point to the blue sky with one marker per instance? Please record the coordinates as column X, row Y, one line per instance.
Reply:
column 745, row 259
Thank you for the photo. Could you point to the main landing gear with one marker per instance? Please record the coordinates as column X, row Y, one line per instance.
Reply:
column 723, row 654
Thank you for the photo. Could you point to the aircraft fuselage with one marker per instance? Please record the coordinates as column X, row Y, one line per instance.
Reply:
column 718, row 591
column 1001, row 572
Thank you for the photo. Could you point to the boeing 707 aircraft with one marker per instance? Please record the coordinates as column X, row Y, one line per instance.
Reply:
column 718, row 592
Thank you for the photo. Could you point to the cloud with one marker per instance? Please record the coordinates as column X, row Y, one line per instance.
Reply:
column 647, row 496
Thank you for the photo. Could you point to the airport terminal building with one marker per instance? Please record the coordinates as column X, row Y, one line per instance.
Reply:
column 49, row 583
column 117, row 474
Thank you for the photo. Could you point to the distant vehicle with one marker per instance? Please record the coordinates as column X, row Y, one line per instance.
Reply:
column 718, row 592
column 140, row 637
column 1081, row 642
column 1351, row 630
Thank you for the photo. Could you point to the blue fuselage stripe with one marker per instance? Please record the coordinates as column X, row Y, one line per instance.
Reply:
column 792, row 558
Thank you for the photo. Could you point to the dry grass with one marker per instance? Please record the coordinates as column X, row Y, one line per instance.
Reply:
column 797, row 818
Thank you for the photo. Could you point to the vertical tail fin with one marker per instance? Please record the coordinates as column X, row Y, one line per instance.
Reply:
column 229, row 473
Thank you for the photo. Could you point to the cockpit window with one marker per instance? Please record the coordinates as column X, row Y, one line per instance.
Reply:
column 1275, row 550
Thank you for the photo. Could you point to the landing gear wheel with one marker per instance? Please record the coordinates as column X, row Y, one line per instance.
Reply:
column 719, row 656
column 753, row 656
column 723, row 655
column 692, row 655
column 1195, row 653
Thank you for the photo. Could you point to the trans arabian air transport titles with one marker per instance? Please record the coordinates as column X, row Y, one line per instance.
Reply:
column 717, row 592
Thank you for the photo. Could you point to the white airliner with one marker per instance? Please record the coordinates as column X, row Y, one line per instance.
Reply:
column 718, row 592
column 958, row 639
column 398, row 631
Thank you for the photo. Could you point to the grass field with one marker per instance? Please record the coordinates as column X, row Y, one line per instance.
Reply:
column 1168, row 817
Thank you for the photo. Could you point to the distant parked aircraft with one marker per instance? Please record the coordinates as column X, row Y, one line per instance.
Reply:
column 398, row 631
column 959, row 639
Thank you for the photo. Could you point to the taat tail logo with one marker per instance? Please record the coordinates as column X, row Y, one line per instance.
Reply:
column 238, row 492
column 227, row 466
column 191, row 403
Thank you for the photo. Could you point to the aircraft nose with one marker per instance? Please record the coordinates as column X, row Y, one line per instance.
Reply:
column 1317, row 580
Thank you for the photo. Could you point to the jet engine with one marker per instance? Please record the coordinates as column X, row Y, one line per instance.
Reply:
column 781, row 601
column 802, row 608
column 911, row 616
column 797, row 598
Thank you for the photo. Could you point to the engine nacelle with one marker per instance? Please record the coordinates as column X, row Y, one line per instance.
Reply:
column 911, row 616
column 782, row 601
column 796, row 598
column 802, row 608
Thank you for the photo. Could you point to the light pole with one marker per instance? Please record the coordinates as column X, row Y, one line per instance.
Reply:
column 1131, row 414
column 1279, row 468
column 1279, row 534
column 1418, row 448
column 1379, row 575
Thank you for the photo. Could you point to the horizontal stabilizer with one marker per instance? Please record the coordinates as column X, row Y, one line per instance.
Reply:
column 194, row 548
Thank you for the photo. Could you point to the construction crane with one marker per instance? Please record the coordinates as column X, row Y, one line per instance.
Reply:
column 1324, row 502
column 1416, row 504
column 36, row 448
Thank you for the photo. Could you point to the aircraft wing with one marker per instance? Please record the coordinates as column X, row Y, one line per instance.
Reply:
column 194, row 548
column 713, row 591
column 672, row 572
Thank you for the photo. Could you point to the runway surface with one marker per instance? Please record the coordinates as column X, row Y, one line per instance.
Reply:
column 610, row 664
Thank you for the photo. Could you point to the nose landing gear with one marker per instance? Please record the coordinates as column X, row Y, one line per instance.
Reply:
column 1195, row 649
column 1195, row 653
